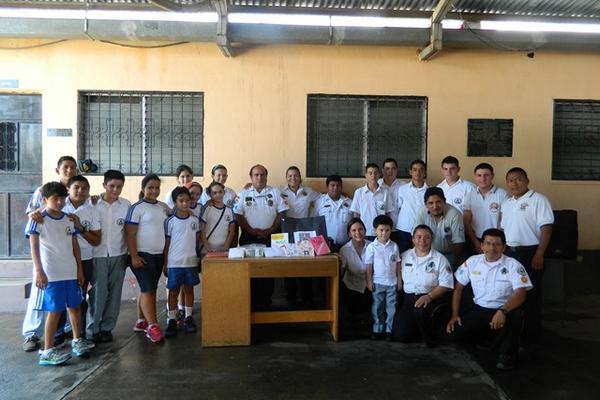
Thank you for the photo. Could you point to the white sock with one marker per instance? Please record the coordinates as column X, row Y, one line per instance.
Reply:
column 172, row 314
column 141, row 320
column 188, row 311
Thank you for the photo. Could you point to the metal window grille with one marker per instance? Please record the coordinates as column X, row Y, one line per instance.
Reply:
column 346, row 132
column 9, row 149
column 576, row 140
column 142, row 132
column 490, row 138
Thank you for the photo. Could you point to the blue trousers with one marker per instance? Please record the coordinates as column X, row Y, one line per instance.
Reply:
column 384, row 307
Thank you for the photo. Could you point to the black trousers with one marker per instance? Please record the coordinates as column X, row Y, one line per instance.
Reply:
column 261, row 289
column 476, row 326
column 412, row 323
column 532, row 329
column 354, row 303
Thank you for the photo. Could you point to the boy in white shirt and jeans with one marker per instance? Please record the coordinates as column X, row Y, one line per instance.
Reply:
column 384, row 278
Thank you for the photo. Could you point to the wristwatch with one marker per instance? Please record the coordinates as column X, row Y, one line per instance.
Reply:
column 504, row 310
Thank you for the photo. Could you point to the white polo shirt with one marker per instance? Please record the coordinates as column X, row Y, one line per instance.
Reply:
column 411, row 199
column 260, row 208
column 492, row 282
column 393, row 189
column 337, row 214
column 523, row 218
column 371, row 204
column 383, row 257
column 89, row 219
column 355, row 277
column 210, row 217
column 112, row 220
column 56, row 246
column 228, row 198
column 149, row 218
column 448, row 230
column 183, row 233
column 485, row 211
column 456, row 193
column 299, row 203
column 421, row 275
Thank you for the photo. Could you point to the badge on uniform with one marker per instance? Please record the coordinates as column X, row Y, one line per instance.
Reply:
column 87, row 225
column 120, row 221
column 429, row 267
column 248, row 201
column 446, row 229
column 303, row 193
column 393, row 258
column 522, row 271
column 227, row 218
column 476, row 273
column 524, row 279
column 494, row 207
column 346, row 204
column 380, row 205
column 504, row 271
column 524, row 206
column 270, row 202
column 194, row 226
column 270, row 195
column 457, row 201
column 69, row 231
column 408, row 265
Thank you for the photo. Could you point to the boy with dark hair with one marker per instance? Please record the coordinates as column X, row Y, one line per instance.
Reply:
column 455, row 188
column 384, row 277
column 58, row 272
column 110, row 259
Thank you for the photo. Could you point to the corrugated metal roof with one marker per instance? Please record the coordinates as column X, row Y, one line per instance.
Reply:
column 530, row 8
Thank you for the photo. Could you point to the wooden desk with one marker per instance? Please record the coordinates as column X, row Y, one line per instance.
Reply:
column 226, row 311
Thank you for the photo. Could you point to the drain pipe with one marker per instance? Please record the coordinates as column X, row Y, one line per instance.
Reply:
column 435, row 39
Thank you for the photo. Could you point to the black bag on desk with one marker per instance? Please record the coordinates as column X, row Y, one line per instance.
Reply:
column 291, row 225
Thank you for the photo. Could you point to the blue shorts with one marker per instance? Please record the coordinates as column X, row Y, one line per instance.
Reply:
column 59, row 296
column 149, row 275
column 182, row 276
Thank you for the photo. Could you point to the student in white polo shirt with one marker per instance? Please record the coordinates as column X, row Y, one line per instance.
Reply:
column 259, row 211
column 527, row 220
column 455, row 188
column 481, row 207
column 87, row 221
column 499, row 287
column 144, row 225
column 426, row 278
column 219, row 174
column 410, row 201
column 390, row 181
column 335, row 207
column 110, row 259
column 371, row 200
column 446, row 223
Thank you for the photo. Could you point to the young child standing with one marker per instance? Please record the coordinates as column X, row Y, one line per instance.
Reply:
column 180, row 260
column 219, row 221
column 110, row 259
column 384, row 278
column 58, row 273
column 144, row 221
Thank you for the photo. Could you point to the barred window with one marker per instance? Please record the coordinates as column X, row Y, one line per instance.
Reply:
column 576, row 140
column 142, row 132
column 346, row 132
column 490, row 137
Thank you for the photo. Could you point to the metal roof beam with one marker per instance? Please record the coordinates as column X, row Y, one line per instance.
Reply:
column 435, row 40
column 167, row 5
column 222, row 26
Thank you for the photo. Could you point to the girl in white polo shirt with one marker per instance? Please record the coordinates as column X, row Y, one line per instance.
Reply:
column 219, row 221
column 146, row 241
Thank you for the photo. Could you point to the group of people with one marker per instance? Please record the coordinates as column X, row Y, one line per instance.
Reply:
column 405, row 249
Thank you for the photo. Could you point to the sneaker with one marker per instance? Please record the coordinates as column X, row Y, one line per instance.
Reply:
column 506, row 362
column 171, row 328
column 54, row 357
column 81, row 347
column 31, row 343
column 154, row 334
column 190, row 325
column 106, row 336
column 140, row 326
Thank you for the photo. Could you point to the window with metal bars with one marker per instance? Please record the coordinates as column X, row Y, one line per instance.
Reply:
column 344, row 133
column 490, row 138
column 576, row 140
column 142, row 132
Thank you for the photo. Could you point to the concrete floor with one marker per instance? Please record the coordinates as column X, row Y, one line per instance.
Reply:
column 301, row 362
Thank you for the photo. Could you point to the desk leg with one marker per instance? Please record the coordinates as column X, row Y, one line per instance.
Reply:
column 333, row 293
column 225, row 304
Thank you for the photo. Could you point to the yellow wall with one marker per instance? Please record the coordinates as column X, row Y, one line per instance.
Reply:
column 255, row 103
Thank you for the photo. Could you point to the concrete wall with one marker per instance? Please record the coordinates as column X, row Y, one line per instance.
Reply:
column 255, row 103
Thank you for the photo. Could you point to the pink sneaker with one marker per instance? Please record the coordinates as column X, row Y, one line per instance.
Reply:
column 140, row 326
column 154, row 333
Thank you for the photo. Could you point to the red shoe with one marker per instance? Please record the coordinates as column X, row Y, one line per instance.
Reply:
column 140, row 326
column 154, row 333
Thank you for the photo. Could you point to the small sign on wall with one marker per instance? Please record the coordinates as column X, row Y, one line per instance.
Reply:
column 9, row 83
column 57, row 132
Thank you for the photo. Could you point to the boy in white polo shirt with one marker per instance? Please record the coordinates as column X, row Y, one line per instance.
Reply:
column 455, row 188
column 110, row 259
column 384, row 279
column 371, row 200
column 58, row 272
column 182, row 230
